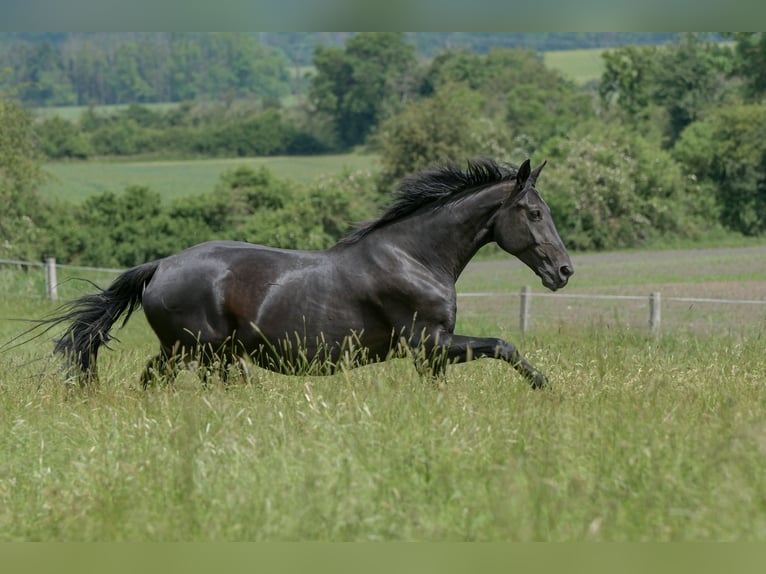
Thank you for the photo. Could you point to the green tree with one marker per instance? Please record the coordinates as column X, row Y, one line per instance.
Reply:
column 727, row 152
column 455, row 67
column 360, row 85
column 610, row 187
column 40, row 76
column 627, row 80
column 447, row 126
column 21, row 174
column 125, row 76
column 60, row 138
column 751, row 62
column 689, row 78
column 535, row 102
column 666, row 88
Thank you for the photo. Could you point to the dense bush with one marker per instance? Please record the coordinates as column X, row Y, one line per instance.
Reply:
column 186, row 130
column 530, row 101
column 613, row 188
column 448, row 125
column 144, row 68
column 727, row 152
column 61, row 139
column 21, row 208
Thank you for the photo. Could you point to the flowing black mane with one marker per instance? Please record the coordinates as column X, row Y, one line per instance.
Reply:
column 432, row 186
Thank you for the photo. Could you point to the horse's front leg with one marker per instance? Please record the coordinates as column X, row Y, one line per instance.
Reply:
column 460, row 349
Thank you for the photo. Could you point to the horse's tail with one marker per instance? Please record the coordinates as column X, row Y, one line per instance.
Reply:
column 92, row 316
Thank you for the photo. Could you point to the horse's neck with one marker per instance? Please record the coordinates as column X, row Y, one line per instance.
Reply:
column 448, row 237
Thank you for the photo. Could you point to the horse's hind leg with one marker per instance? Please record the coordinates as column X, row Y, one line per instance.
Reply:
column 225, row 369
column 431, row 365
column 161, row 367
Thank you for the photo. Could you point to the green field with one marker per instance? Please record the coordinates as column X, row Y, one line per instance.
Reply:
column 75, row 181
column 580, row 66
column 636, row 439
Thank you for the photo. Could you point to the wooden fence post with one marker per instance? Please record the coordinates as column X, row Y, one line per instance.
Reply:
column 526, row 302
column 51, row 283
column 655, row 313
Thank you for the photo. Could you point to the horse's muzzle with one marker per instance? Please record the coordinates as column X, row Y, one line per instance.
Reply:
column 559, row 279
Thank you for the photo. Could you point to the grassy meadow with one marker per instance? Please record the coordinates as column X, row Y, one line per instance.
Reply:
column 76, row 180
column 636, row 439
column 580, row 66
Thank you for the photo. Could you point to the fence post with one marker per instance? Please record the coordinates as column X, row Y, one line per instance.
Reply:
column 51, row 283
column 655, row 313
column 526, row 302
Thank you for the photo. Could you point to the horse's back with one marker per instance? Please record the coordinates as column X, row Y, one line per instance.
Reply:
column 212, row 290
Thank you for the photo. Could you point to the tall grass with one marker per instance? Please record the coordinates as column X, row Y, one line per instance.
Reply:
column 636, row 439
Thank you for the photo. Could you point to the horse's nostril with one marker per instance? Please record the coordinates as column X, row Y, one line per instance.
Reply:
column 566, row 271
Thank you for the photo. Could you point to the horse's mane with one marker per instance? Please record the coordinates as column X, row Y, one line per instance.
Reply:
column 432, row 187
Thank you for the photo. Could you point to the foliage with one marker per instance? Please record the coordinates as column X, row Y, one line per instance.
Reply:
column 62, row 139
column 682, row 80
column 505, row 104
column 20, row 175
column 612, row 188
column 534, row 102
column 690, row 80
column 627, row 79
column 184, row 130
column 751, row 62
column 146, row 68
column 363, row 83
column 447, row 126
column 125, row 229
column 727, row 152
column 261, row 135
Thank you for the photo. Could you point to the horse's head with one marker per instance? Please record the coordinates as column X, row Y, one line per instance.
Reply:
column 523, row 227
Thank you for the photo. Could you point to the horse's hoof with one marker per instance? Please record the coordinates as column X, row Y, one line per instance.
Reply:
column 538, row 380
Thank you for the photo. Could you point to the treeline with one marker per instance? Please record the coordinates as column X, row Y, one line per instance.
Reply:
column 61, row 69
column 672, row 144
column 186, row 130
column 88, row 69
column 300, row 46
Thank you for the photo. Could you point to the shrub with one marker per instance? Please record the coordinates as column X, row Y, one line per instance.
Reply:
column 727, row 152
column 61, row 139
column 612, row 188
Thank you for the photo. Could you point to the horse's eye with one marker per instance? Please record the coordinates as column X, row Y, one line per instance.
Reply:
column 535, row 215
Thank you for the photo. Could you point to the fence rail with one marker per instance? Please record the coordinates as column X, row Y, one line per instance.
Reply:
column 653, row 300
column 51, row 277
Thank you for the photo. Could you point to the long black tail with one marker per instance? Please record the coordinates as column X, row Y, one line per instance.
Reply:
column 92, row 316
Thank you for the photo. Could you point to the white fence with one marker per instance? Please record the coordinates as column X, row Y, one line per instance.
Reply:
column 651, row 304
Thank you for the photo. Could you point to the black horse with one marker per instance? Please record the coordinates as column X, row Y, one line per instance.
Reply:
column 386, row 288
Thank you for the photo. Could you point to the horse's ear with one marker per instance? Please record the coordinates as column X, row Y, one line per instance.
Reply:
column 536, row 172
column 523, row 173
